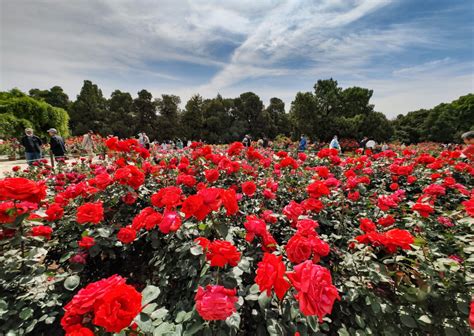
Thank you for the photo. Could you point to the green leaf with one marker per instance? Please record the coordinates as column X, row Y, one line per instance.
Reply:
column 274, row 328
column 149, row 294
column 194, row 328
column 196, row 250
column 163, row 329
column 26, row 313
column 313, row 323
column 72, row 282
column 233, row 321
column 425, row 319
column 408, row 321
column 263, row 300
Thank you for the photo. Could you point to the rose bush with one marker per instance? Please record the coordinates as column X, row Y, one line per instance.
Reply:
column 227, row 240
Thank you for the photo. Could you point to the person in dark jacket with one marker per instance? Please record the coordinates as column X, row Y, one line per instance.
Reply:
column 32, row 146
column 56, row 143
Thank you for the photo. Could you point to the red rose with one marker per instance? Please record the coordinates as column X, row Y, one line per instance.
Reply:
column 83, row 302
column 386, row 202
column 80, row 331
column 42, row 231
column 169, row 198
column 229, row 200
column 86, row 242
column 423, row 209
column 130, row 175
column 212, row 175
column 127, row 235
column 255, row 227
column 191, row 205
column 300, row 248
column 395, row 238
column 101, row 181
column 116, row 309
column 148, row 218
column 367, row 225
column 293, row 211
column 270, row 275
column 312, row 204
column 170, row 222
column 249, row 188
column 54, row 212
column 215, row 302
column 90, row 213
column 7, row 212
column 316, row 293
column 469, row 206
column 386, row 221
column 130, row 198
column 353, row 196
column 221, row 253
column 317, row 189
column 22, row 189
column 235, row 148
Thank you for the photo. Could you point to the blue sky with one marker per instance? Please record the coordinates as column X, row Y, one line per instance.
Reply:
column 413, row 54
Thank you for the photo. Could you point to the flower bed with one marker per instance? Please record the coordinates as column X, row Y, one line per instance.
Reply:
column 223, row 240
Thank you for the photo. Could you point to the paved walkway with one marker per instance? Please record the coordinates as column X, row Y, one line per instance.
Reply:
column 6, row 166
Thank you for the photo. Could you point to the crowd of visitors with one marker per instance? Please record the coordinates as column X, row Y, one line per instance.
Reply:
column 33, row 145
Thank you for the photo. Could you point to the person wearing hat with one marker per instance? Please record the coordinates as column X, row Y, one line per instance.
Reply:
column 32, row 145
column 56, row 143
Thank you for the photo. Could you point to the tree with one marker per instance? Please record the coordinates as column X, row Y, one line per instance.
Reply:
column 249, row 108
column 120, row 116
column 54, row 96
column 144, row 110
column 89, row 112
column 220, row 124
column 192, row 119
column 279, row 119
column 18, row 111
column 168, row 119
column 355, row 100
column 303, row 114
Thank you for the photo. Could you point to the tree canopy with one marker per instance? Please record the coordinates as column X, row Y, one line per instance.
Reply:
column 18, row 111
column 320, row 114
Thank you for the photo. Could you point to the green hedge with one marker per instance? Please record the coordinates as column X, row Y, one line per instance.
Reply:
column 18, row 111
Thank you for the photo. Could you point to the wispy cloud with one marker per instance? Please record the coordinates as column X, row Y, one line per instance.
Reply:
column 272, row 47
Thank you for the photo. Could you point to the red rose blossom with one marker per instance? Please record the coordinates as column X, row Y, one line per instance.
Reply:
column 270, row 275
column 316, row 293
column 90, row 213
column 249, row 188
column 117, row 308
column 22, row 189
column 215, row 302
column 127, row 235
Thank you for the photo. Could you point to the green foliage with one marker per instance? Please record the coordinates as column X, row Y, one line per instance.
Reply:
column 444, row 123
column 89, row 112
column 18, row 111
column 54, row 96
column 330, row 111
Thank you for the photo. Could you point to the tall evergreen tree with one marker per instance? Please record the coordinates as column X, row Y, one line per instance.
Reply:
column 168, row 119
column 89, row 112
column 120, row 116
column 192, row 119
column 146, row 119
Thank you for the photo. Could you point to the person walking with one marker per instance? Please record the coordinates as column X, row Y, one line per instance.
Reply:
column 303, row 143
column 246, row 141
column 335, row 144
column 56, row 143
column 32, row 145
column 88, row 144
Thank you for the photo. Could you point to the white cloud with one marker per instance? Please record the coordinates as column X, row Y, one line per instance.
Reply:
column 283, row 46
